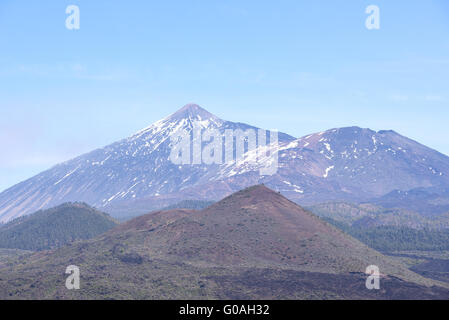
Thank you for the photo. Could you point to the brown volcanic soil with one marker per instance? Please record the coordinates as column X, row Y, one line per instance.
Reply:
column 253, row 244
column 151, row 221
column 258, row 227
column 290, row 284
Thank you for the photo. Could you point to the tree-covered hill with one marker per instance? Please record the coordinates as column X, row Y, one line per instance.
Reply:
column 55, row 227
column 367, row 215
column 397, row 238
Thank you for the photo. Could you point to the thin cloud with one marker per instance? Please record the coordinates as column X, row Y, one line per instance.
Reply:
column 434, row 98
column 65, row 70
column 399, row 97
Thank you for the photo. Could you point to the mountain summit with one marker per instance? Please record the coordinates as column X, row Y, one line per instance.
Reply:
column 185, row 118
column 193, row 111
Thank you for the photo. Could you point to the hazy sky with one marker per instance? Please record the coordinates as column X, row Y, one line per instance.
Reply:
column 297, row 66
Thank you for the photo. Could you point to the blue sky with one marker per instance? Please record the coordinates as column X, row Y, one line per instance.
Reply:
column 297, row 66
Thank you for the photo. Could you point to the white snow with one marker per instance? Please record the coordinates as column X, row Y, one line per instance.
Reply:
column 100, row 163
column 295, row 187
column 291, row 145
column 67, row 175
column 327, row 171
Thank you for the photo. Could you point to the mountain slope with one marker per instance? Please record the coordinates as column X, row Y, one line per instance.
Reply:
column 367, row 215
column 345, row 164
column 254, row 244
column 55, row 227
column 130, row 169
column 431, row 201
column 351, row 164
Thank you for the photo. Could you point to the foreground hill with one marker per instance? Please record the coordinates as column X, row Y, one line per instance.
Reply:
column 259, row 227
column 55, row 227
column 253, row 244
